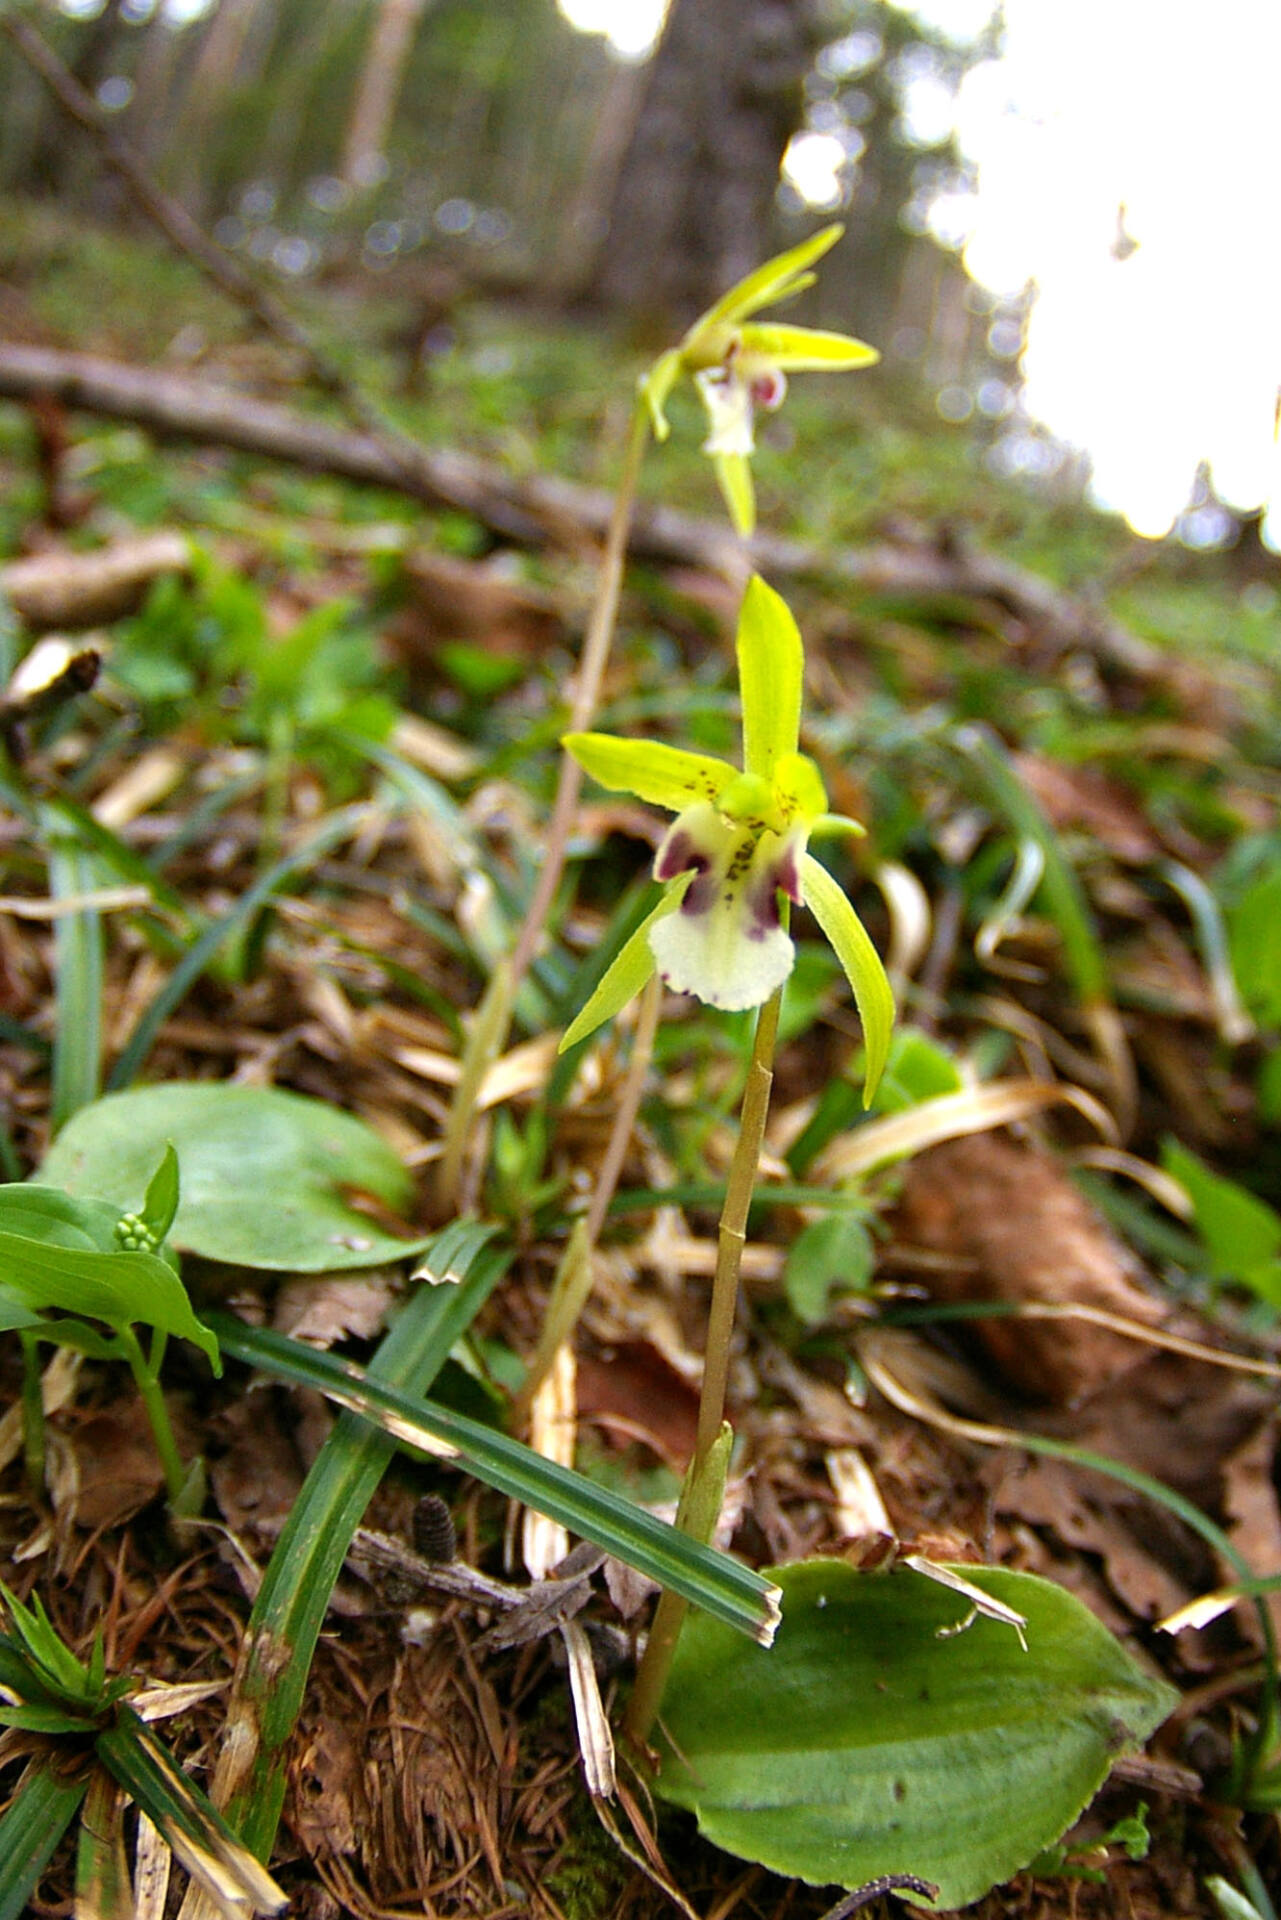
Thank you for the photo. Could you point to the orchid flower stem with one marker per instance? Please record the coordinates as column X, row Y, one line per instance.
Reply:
column 732, row 1233
column 586, row 696
column 573, row 1278
column 489, row 1037
column 699, row 1512
column 629, row 1100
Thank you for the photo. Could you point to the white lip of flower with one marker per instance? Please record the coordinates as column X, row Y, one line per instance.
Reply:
column 726, row 942
column 731, row 397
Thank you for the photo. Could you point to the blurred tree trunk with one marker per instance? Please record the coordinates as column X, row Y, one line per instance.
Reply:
column 693, row 205
column 376, row 91
column 55, row 159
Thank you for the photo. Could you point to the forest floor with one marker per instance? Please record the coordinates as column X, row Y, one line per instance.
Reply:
column 1128, row 1168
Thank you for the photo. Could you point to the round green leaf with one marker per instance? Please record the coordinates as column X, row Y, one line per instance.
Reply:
column 863, row 1743
column 264, row 1175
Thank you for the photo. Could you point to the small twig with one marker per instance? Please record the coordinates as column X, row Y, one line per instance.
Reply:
column 876, row 1890
column 530, row 1612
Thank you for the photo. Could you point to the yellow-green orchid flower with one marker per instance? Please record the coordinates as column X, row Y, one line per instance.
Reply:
column 738, row 843
column 739, row 365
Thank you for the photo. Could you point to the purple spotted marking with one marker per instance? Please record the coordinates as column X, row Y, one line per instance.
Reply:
column 769, row 389
column 787, row 873
column 763, row 909
column 700, row 894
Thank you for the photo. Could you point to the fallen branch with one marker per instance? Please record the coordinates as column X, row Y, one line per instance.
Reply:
column 76, row 590
column 539, row 510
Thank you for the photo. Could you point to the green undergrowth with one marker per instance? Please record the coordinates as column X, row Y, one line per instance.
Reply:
column 1100, row 841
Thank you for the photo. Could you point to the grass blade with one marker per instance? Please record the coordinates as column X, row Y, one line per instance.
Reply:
column 1060, row 888
column 188, row 1823
column 78, row 962
column 291, row 1603
column 339, row 826
column 103, row 1889
column 33, row 1823
column 711, row 1580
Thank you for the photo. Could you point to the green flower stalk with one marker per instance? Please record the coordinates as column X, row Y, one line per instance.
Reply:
column 739, row 364
column 737, row 852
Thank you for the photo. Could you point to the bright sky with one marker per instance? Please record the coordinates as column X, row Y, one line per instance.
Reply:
column 1171, row 355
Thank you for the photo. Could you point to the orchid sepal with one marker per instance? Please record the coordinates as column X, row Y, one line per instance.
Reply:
column 734, row 478
column 660, row 775
column 834, row 826
column 630, row 970
column 862, row 964
column 771, row 670
column 655, row 387
column 774, row 280
column 804, row 349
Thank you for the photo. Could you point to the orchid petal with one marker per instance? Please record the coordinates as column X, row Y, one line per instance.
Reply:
column 804, row 349
column 798, row 789
column 657, row 386
column 861, row 962
column 734, row 478
column 660, row 775
column 626, row 974
column 771, row 281
column 771, row 665
column 830, row 826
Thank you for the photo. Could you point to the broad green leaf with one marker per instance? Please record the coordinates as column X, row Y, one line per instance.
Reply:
column 45, row 1804
column 1242, row 1233
column 834, row 1252
column 874, row 1738
column 862, row 964
column 265, row 1174
column 120, row 1288
column 729, row 1591
column 13, row 1315
column 771, row 667
column 660, row 775
column 48, row 1213
column 918, row 1069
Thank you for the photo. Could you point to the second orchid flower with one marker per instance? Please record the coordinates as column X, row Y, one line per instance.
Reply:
column 739, row 364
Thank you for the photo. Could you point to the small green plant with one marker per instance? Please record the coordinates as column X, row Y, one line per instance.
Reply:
column 93, row 1748
column 85, row 1260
